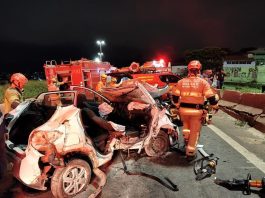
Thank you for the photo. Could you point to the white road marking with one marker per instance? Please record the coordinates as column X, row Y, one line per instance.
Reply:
column 256, row 161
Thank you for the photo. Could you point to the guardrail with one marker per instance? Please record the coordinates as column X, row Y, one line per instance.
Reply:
column 249, row 107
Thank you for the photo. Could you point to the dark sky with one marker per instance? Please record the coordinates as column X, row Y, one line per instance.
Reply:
column 134, row 30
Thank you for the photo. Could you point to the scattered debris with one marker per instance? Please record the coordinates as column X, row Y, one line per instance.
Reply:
column 170, row 186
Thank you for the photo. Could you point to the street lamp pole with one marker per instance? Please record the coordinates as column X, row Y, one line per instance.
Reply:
column 100, row 43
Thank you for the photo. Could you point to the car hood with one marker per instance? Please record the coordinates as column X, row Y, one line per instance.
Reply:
column 128, row 91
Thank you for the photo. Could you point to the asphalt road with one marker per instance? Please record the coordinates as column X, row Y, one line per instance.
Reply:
column 240, row 149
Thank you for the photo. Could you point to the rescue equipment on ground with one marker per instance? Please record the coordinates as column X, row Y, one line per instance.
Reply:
column 206, row 166
column 242, row 184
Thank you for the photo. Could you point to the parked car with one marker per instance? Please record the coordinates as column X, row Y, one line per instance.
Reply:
column 61, row 138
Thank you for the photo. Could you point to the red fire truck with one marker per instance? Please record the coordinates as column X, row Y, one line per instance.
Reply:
column 82, row 72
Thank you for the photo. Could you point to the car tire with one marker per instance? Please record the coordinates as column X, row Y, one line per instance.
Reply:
column 71, row 179
column 158, row 145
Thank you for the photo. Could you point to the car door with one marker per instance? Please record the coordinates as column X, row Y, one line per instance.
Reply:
column 20, row 123
column 17, row 152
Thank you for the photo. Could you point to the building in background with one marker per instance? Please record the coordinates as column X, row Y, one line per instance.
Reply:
column 180, row 70
column 247, row 68
column 239, row 69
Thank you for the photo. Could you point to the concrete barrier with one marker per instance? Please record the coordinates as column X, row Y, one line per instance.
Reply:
column 230, row 98
column 260, row 123
column 249, row 107
column 251, row 103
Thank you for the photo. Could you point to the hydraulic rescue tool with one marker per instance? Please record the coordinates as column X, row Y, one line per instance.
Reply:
column 242, row 184
column 206, row 166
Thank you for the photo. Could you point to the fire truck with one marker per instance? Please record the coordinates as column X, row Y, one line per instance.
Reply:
column 82, row 72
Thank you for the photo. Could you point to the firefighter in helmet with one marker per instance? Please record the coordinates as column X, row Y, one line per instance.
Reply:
column 13, row 95
column 190, row 95
column 12, row 98
column 54, row 99
column 55, row 84
column 113, row 82
column 102, row 83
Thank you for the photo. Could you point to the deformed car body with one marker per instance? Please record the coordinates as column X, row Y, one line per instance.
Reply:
column 65, row 136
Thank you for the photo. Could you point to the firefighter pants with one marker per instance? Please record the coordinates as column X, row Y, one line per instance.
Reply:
column 191, row 119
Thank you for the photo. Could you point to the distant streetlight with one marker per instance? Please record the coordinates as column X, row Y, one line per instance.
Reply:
column 97, row 59
column 100, row 54
column 100, row 43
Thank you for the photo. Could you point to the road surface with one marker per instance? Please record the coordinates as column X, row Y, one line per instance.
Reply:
column 241, row 150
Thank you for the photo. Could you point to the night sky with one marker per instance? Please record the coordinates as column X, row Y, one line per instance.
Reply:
column 134, row 30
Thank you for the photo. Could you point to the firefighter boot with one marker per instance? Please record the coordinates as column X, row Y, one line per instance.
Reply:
column 186, row 135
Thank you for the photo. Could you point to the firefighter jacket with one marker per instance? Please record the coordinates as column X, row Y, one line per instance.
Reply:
column 100, row 85
column 193, row 90
column 11, row 95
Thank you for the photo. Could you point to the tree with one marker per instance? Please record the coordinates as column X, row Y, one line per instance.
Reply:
column 211, row 58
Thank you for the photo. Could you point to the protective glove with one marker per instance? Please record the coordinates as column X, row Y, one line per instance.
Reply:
column 215, row 108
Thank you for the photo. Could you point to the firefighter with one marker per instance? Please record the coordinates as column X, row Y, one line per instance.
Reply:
column 190, row 95
column 54, row 85
column 13, row 95
column 12, row 98
column 102, row 83
column 113, row 82
column 54, row 99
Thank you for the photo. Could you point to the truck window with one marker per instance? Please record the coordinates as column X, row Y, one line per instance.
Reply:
column 169, row 78
column 164, row 78
column 173, row 79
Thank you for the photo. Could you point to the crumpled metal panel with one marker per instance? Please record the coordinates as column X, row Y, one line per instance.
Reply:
column 65, row 121
column 154, row 91
column 105, row 109
column 61, row 133
column 163, row 121
column 29, row 169
column 137, row 105
column 115, row 94
column 130, row 90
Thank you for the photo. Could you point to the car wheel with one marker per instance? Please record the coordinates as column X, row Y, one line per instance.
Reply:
column 158, row 145
column 71, row 179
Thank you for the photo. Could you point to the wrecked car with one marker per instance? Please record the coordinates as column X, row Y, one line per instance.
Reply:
column 61, row 138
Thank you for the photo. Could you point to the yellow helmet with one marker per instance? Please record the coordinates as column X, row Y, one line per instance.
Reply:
column 103, row 76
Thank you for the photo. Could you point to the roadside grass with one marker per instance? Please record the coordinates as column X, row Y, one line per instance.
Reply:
column 32, row 89
column 242, row 88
